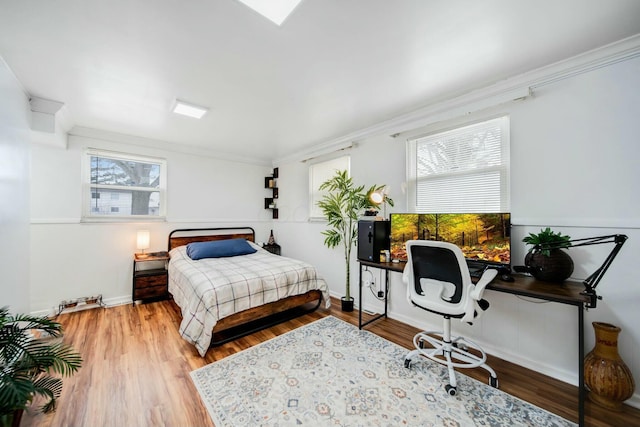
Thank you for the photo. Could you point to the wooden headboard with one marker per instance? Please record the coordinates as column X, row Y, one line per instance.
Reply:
column 185, row 236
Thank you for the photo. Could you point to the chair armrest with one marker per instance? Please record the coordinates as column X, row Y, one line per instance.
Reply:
column 488, row 275
column 406, row 274
column 473, row 308
column 406, row 278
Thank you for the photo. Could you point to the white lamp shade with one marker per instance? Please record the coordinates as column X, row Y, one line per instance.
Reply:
column 143, row 239
column 377, row 197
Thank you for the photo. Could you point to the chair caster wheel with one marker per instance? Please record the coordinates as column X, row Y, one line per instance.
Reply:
column 407, row 363
column 493, row 382
column 451, row 390
column 461, row 346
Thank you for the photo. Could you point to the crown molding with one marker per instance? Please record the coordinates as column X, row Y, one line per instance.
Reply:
column 92, row 133
column 511, row 89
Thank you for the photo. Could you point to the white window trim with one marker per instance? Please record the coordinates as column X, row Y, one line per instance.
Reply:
column 89, row 216
column 411, row 158
column 315, row 214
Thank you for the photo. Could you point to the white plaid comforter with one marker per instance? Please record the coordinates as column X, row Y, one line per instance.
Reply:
column 209, row 289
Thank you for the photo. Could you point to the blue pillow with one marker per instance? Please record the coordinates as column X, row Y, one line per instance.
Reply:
column 219, row 249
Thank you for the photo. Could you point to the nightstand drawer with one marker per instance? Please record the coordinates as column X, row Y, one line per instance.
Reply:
column 149, row 292
column 150, row 281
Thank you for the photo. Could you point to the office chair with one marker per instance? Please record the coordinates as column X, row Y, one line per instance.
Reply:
column 438, row 280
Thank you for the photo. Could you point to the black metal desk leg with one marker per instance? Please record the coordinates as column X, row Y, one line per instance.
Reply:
column 386, row 297
column 386, row 291
column 360, row 298
column 581, row 391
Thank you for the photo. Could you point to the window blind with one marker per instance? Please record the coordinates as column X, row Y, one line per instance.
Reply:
column 462, row 170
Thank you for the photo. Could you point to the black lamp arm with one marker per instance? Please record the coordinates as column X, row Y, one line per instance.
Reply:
column 592, row 281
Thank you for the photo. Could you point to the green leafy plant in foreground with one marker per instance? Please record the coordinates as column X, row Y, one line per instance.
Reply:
column 27, row 364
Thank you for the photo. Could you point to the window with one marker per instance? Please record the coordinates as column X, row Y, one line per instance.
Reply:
column 123, row 186
column 319, row 172
column 461, row 170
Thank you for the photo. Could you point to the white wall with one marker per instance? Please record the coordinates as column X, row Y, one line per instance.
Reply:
column 574, row 155
column 14, row 192
column 70, row 259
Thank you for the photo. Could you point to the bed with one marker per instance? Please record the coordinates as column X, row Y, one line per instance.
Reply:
column 240, row 293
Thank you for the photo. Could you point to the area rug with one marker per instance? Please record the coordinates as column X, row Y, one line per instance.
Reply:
column 329, row 373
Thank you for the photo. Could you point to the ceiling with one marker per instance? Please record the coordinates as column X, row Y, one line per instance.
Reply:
column 332, row 68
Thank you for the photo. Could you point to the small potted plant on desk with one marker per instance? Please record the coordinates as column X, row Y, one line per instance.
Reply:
column 546, row 259
column 29, row 354
column 341, row 206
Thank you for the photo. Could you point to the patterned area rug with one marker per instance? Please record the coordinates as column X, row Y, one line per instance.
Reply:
column 329, row 373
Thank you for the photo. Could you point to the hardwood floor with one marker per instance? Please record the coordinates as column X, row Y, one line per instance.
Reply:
column 136, row 370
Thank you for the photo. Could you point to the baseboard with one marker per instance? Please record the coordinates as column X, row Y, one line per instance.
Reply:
column 121, row 300
column 634, row 401
column 107, row 302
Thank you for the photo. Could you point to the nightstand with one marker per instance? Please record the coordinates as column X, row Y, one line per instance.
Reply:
column 274, row 248
column 150, row 284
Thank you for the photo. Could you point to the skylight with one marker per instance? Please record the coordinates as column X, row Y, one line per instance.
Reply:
column 190, row 110
column 274, row 10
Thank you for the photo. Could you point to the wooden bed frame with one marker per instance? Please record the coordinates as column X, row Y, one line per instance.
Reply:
column 253, row 319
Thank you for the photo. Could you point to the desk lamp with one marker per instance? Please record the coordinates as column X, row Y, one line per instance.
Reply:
column 380, row 197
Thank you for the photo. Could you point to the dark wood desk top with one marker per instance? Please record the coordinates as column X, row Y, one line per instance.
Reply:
column 568, row 292
column 392, row 266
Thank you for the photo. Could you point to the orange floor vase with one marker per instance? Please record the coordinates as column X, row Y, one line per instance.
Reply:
column 606, row 375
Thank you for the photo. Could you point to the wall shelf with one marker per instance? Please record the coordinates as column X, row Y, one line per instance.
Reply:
column 271, row 183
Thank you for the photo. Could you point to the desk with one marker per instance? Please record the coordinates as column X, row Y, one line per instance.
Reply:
column 569, row 293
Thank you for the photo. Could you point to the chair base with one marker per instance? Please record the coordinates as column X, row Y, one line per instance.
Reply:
column 453, row 353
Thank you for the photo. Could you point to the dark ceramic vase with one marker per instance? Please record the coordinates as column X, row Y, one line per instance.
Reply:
column 556, row 267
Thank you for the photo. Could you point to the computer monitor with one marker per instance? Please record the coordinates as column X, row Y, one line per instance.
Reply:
column 485, row 238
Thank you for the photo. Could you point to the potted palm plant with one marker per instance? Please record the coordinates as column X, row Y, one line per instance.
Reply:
column 546, row 259
column 341, row 205
column 27, row 364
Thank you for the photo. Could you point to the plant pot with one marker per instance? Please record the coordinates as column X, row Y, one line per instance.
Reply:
column 556, row 267
column 347, row 304
column 11, row 420
column 608, row 378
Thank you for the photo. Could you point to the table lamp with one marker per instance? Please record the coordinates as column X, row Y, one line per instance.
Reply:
column 143, row 242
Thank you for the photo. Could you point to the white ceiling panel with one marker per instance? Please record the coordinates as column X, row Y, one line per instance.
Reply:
column 333, row 67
